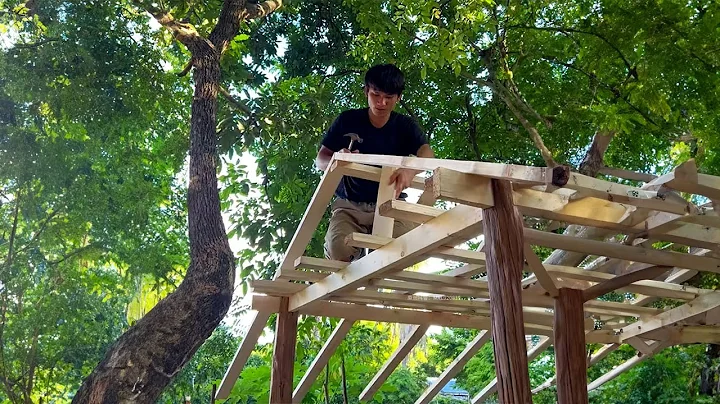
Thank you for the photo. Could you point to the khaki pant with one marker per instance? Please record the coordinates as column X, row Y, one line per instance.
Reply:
column 353, row 217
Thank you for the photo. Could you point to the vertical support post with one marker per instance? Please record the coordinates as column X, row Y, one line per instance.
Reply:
column 503, row 228
column 281, row 378
column 383, row 226
column 570, row 357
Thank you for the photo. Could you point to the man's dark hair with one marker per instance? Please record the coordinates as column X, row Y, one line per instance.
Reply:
column 386, row 78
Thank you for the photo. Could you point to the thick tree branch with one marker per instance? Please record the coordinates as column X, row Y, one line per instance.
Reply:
column 631, row 70
column 261, row 10
column 235, row 103
column 593, row 161
column 233, row 13
column 185, row 33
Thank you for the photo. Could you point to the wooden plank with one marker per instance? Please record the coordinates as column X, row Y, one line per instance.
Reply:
column 313, row 214
column 570, row 347
column 447, row 252
column 410, row 212
column 321, row 359
column 281, row 377
column 319, row 264
column 625, row 366
column 639, row 345
column 627, row 174
column 702, row 334
column 463, row 188
column 637, row 254
column 393, row 361
column 518, row 174
column 504, row 241
column 491, row 387
column 618, row 282
column 700, row 305
column 383, row 225
column 455, row 367
column 545, row 280
column 398, row 254
column 465, row 271
column 371, row 173
column 646, row 287
column 252, row 334
column 685, row 178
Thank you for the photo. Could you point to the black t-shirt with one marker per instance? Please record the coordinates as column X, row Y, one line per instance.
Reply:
column 400, row 136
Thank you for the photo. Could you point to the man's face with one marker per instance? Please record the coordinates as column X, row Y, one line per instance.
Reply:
column 380, row 103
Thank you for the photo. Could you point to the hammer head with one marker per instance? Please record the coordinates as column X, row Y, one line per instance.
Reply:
column 354, row 137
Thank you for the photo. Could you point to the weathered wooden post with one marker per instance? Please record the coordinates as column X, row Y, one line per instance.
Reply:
column 281, row 378
column 503, row 228
column 570, row 359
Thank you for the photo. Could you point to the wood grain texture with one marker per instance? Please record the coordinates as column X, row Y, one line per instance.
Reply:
column 504, row 254
column 570, row 357
column 281, row 378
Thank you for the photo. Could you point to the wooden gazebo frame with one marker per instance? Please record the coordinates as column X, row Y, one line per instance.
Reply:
column 558, row 303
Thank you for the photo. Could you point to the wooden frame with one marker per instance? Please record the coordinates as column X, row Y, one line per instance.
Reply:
column 379, row 287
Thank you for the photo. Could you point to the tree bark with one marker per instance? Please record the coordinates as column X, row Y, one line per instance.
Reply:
column 143, row 361
column 504, row 254
column 283, row 362
column 570, row 357
column 593, row 161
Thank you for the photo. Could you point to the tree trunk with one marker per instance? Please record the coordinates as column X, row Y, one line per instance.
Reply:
column 593, row 161
column 139, row 365
column 504, row 254
column 709, row 377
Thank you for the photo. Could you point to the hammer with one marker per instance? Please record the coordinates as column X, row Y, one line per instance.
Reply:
column 353, row 137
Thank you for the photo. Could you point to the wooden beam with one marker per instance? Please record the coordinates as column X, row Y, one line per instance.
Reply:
column 618, row 282
column 281, row 378
column 252, row 334
column 625, row 366
column 445, row 252
column 465, row 271
column 700, row 305
column 393, row 361
column 518, row 174
column 454, row 186
column 411, row 212
column 504, row 241
column 570, row 347
column 319, row 264
column 637, row 254
column 491, row 387
column 545, row 280
column 321, row 360
column 461, row 221
column 455, row 367
column 313, row 214
column 627, row 174
column 685, row 178
column 383, row 225
column 372, row 173
column 639, row 345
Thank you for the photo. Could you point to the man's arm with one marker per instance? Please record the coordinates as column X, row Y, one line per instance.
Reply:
column 323, row 158
column 403, row 177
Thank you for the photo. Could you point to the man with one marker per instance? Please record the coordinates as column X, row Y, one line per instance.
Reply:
column 383, row 131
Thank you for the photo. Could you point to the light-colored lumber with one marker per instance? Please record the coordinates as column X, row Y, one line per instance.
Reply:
column 454, row 186
column 313, row 214
column 411, row 212
column 491, row 387
column 621, row 281
column 383, row 225
column 398, row 254
column 571, row 368
column 455, row 367
column 283, row 361
column 319, row 264
column 445, row 252
column 646, row 287
column 466, row 271
column 685, row 178
column 639, row 345
column 537, row 267
column 518, row 174
column 691, row 334
column 627, row 174
column 625, row 366
column 321, row 359
column 383, row 314
column 700, row 305
column 252, row 334
column 371, row 173
column 637, row 254
column 504, row 241
column 393, row 361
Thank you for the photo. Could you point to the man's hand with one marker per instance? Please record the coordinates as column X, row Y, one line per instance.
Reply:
column 402, row 178
column 348, row 151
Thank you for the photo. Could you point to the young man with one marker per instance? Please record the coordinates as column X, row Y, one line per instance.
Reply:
column 382, row 131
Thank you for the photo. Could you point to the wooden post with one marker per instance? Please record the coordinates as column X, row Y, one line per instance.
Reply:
column 503, row 228
column 570, row 357
column 281, row 378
